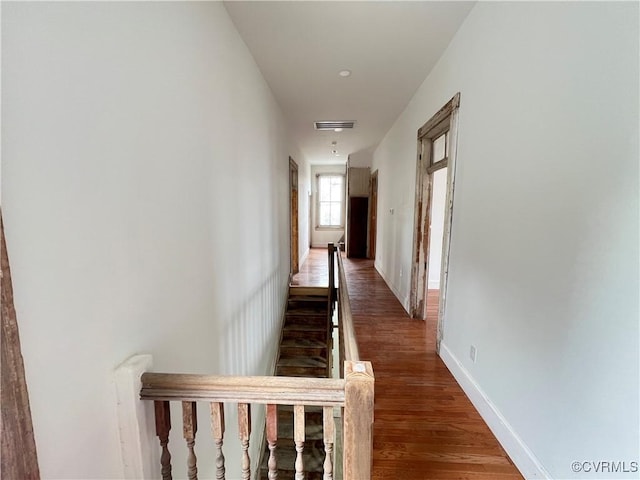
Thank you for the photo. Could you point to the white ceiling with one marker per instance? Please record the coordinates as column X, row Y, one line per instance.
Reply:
column 390, row 47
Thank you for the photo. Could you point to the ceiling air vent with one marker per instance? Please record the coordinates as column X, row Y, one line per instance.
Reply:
column 332, row 125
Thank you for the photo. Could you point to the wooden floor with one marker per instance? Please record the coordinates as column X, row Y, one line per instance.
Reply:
column 314, row 272
column 425, row 427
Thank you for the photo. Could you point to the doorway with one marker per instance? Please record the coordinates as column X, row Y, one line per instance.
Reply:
column 436, row 233
column 373, row 215
column 435, row 175
column 293, row 218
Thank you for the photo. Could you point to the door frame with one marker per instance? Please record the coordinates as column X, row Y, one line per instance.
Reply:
column 445, row 120
column 373, row 215
column 294, row 234
column 19, row 455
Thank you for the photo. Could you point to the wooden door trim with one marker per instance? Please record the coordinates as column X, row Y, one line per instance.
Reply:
column 294, row 225
column 19, row 457
column 446, row 119
column 373, row 215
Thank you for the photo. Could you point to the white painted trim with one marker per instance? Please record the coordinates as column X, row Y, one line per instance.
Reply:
column 520, row 454
column 434, row 284
column 403, row 300
column 136, row 424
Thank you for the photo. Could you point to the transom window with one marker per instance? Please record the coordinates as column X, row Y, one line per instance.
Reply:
column 330, row 201
column 440, row 148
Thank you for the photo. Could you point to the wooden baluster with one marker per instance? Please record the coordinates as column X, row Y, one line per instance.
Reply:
column 328, row 428
column 217, row 427
column 298, row 437
column 244, row 429
column 189, row 429
column 163, row 426
column 272, row 440
column 331, row 249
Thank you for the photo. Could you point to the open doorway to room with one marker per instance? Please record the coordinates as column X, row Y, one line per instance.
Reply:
column 293, row 217
column 433, row 214
column 436, row 231
column 373, row 215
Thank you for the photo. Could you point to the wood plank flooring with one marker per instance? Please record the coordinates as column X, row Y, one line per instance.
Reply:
column 425, row 427
column 314, row 272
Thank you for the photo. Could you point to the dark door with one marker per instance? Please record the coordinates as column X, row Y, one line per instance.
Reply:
column 358, row 213
column 373, row 215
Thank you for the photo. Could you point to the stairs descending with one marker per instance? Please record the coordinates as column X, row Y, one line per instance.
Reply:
column 305, row 351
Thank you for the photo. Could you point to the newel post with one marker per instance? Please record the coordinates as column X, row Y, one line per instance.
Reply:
column 358, row 420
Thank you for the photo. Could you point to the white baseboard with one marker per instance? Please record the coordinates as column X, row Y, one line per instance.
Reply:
column 403, row 300
column 520, row 454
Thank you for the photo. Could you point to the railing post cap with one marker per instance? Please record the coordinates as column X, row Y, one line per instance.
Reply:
column 358, row 369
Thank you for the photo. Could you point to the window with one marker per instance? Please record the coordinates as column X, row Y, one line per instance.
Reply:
column 440, row 148
column 330, row 201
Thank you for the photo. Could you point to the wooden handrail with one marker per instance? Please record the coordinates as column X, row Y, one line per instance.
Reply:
column 353, row 393
column 260, row 390
column 350, row 351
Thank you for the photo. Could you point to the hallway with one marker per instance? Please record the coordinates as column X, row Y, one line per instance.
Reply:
column 425, row 427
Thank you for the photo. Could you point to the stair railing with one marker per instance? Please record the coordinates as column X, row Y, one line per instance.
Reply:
column 348, row 345
column 353, row 393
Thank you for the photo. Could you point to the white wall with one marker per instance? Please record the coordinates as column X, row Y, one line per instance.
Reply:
column 544, row 254
column 320, row 237
column 361, row 159
column 145, row 197
column 304, row 206
column 438, row 201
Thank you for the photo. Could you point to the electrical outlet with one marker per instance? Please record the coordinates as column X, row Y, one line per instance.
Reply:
column 472, row 353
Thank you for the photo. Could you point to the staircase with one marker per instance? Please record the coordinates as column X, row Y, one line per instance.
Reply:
column 326, row 447
column 305, row 351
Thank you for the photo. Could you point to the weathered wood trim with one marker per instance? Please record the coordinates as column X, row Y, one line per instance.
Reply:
column 244, row 432
column 444, row 163
column 272, row 439
column 448, row 221
column 422, row 161
column 163, row 427
column 358, row 420
column 347, row 331
column 217, row 430
column 328, row 438
column 445, row 120
column 294, row 254
column 298, row 438
column 189, row 429
column 331, row 251
column 372, row 227
column 261, row 390
column 19, row 456
column 440, row 116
